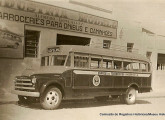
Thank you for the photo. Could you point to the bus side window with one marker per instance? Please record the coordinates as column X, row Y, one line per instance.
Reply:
column 117, row 65
column 85, row 62
column 127, row 65
column 143, row 67
column 76, row 61
column 107, row 64
column 59, row 60
column 135, row 66
column 95, row 63
column 45, row 61
column 81, row 61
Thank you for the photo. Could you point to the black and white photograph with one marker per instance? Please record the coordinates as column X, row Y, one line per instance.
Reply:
column 82, row 59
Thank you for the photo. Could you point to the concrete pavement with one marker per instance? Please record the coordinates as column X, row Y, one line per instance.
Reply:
column 152, row 94
column 6, row 95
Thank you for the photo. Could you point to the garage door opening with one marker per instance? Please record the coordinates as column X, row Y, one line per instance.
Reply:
column 72, row 40
column 161, row 62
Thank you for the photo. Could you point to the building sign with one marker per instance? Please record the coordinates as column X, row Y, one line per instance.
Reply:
column 14, row 14
column 54, row 49
column 29, row 12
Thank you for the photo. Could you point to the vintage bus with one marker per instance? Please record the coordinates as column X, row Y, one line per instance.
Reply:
column 79, row 72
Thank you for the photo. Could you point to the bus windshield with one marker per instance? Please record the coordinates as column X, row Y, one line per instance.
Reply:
column 55, row 60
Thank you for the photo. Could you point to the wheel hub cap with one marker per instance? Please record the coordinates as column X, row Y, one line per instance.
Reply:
column 52, row 98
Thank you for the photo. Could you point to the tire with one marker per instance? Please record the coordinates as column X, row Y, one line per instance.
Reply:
column 114, row 96
column 51, row 98
column 130, row 96
column 102, row 98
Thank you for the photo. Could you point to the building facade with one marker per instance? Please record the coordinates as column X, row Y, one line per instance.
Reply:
column 27, row 28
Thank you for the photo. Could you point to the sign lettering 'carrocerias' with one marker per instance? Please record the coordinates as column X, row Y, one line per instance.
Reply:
column 38, row 14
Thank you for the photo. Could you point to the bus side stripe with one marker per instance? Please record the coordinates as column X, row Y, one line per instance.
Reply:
column 82, row 72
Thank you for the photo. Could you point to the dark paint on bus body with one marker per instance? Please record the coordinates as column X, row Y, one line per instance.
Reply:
column 74, row 85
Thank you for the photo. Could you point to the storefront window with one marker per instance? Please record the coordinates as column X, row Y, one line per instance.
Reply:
column 106, row 44
column 130, row 47
column 31, row 43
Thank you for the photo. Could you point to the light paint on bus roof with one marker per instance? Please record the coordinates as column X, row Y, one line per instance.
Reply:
column 65, row 49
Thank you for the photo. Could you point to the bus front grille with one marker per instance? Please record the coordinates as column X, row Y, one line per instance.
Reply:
column 24, row 84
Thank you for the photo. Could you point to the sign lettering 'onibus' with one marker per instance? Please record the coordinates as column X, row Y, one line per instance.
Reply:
column 55, row 17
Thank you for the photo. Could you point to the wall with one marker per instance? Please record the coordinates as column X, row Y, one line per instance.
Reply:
column 159, row 80
column 11, row 67
column 146, row 42
column 131, row 32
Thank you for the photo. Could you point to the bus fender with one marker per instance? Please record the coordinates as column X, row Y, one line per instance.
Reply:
column 134, row 85
column 50, row 83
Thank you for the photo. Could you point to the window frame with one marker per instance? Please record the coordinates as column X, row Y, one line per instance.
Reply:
column 108, row 60
column 99, row 63
column 119, row 60
column 81, row 55
column 30, row 45
column 47, row 61
column 128, row 61
column 146, row 67
column 52, row 60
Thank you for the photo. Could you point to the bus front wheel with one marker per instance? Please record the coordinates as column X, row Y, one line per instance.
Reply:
column 51, row 98
column 130, row 96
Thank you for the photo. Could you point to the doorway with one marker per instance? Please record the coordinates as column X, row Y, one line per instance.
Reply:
column 72, row 40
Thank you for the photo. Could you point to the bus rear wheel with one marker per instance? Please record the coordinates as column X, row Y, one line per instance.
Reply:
column 51, row 98
column 130, row 96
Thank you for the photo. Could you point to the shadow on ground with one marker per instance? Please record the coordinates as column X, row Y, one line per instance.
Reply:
column 67, row 104
column 8, row 102
column 142, row 102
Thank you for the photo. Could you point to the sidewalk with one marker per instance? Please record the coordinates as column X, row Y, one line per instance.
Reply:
column 152, row 94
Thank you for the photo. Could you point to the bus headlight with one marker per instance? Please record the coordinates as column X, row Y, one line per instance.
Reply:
column 34, row 80
column 15, row 80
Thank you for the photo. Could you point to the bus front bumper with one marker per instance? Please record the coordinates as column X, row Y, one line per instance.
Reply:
column 25, row 93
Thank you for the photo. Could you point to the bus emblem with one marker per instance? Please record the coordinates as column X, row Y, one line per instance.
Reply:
column 96, row 80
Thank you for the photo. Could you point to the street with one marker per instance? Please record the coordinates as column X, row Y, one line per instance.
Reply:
column 153, row 108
